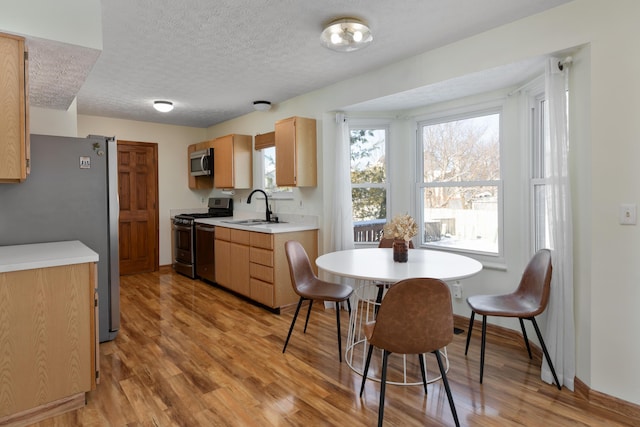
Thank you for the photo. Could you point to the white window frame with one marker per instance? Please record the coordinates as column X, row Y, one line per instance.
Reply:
column 374, row 124
column 537, row 178
column 466, row 112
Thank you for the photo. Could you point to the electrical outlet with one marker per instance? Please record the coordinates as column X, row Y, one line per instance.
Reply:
column 628, row 214
column 456, row 290
column 300, row 204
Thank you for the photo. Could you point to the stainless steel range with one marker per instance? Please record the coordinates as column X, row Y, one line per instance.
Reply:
column 185, row 239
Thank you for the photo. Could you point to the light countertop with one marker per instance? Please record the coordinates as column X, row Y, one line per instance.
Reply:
column 42, row 255
column 271, row 228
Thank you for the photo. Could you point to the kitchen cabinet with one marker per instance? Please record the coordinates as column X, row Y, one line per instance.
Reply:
column 233, row 161
column 258, row 266
column 198, row 182
column 296, row 160
column 232, row 259
column 48, row 334
column 14, row 110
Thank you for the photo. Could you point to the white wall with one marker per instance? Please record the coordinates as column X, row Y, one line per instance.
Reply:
column 604, row 129
column 76, row 22
column 54, row 122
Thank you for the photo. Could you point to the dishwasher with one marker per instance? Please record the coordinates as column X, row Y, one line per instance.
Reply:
column 205, row 257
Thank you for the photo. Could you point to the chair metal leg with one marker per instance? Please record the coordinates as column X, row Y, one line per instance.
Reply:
column 546, row 353
column 524, row 334
column 306, row 322
column 423, row 372
column 339, row 334
column 293, row 322
column 366, row 368
column 482, row 346
column 443, row 373
column 473, row 315
column 383, row 383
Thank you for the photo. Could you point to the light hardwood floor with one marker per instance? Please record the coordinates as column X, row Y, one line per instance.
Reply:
column 191, row 354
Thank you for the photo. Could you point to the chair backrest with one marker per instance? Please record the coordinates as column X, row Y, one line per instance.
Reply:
column 535, row 285
column 299, row 265
column 388, row 243
column 415, row 317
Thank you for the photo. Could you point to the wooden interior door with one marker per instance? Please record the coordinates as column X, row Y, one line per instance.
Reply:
column 138, row 193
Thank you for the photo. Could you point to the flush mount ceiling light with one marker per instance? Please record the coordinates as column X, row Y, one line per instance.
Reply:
column 261, row 105
column 346, row 35
column 163, row 106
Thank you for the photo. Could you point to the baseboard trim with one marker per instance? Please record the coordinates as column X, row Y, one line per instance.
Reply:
column 595, row 398
column 42, row 412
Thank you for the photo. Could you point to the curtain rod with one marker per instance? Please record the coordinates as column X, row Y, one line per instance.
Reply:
column 566, row 61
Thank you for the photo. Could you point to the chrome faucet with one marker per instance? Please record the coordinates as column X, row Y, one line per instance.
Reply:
column 266, row 202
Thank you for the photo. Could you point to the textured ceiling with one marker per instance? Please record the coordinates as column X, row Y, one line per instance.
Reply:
column 213, row 58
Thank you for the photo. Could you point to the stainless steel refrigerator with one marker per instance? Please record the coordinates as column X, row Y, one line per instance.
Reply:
column 71, row 194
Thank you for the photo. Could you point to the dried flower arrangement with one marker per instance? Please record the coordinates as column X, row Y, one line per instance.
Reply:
column 401, row 227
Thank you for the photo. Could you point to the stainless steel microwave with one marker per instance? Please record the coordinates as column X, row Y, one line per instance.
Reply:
column 201, row 162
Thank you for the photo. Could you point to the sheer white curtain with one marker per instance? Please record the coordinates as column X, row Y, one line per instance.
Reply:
column 341, row 236
column 560, row 332
column 341, row 233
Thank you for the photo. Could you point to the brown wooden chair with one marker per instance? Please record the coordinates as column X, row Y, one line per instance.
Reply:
column 415, row 317
column 307, row 285
column 526, row 302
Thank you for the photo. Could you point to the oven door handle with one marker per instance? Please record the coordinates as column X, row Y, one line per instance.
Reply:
column 182, row 227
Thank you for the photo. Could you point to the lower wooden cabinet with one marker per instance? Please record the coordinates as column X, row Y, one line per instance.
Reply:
column 48, row 341
column 255, row 265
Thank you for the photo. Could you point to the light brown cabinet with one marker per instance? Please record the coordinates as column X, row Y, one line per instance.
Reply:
column 48, row 337
column 255, row 265
column 233, row 161
column 232, row 259
column 198, row 182
column 296, row 159
column 14, row 110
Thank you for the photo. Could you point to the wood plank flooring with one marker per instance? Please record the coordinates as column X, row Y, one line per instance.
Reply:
column 192, row 354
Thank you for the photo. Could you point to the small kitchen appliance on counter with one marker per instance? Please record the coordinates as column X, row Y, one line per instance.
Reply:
column 185, row 238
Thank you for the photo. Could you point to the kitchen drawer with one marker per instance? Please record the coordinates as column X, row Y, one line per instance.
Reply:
column 261, row 272
column 261, row 256
column 262, row 292
column 223, row 233
column 262, row 240
column 240, row 236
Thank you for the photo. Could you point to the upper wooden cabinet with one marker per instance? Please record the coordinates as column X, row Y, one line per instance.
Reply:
column 233, row 161
column 296, row 161
column 198, row 182
column 14, row 125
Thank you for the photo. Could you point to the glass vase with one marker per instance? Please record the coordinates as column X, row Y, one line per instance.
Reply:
column 400, row 250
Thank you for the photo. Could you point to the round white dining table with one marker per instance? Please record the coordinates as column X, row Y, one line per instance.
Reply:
column 377, row 264
column 373, row 268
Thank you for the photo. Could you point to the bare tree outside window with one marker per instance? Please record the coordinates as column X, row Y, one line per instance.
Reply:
column 461, row 182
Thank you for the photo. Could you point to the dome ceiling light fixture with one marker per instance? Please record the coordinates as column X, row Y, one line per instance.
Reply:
column 346, row 35
column 163, row 106
column 261, row 105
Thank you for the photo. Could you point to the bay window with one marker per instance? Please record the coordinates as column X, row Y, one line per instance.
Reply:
column 459, row 183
